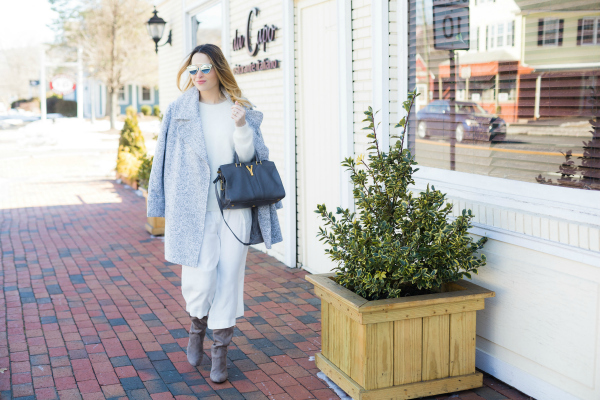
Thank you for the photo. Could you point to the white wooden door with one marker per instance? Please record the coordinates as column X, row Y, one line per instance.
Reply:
column 318, row 125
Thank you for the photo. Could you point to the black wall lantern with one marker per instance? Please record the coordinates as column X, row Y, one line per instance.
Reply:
column 156, row 28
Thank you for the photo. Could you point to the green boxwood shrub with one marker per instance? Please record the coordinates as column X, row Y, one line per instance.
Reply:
column 144, row 171
column 401, row 243
column 146, row 109
column 156, row 110
column 132, row 146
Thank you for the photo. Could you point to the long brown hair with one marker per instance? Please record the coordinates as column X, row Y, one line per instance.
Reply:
column 221, row 66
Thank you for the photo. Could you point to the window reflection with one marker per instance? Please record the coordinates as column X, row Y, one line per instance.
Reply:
column 520, row 101
column 207, row 26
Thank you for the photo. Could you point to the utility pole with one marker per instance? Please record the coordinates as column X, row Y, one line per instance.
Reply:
column 43, row 83
column 79, row 83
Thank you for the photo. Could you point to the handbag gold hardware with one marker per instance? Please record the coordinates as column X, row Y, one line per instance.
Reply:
column 249, row 168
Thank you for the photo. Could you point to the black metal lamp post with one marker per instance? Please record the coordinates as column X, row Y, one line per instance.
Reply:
column 156, row 28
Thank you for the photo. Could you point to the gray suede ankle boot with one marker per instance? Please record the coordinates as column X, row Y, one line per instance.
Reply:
column 195, row 350
column 221, row 339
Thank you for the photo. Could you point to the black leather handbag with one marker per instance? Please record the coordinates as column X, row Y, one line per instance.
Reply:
column 247, row 185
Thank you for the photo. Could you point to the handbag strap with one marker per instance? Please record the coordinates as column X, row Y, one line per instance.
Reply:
column 221, row 208
column 236, row 159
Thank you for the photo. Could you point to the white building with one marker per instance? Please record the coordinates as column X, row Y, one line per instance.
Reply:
column 335, row 58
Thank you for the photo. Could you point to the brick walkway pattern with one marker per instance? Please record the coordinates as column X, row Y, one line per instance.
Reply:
column 90, row 309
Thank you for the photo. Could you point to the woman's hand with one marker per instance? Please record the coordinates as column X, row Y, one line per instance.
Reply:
column 238, row 113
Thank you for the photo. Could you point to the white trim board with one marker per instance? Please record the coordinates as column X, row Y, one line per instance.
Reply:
column 346, row 112
column 402, row 16
column 290, row 235
column 538, row 244
column 574, row 205
column 380, row 57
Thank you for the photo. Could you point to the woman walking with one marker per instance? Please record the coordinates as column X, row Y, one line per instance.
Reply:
column 200, row 131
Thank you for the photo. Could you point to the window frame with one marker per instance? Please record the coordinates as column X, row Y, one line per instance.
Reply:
column 126, row 99
column 557, row 37
column 140, row 95
column 202, row 5
column 492, row 36
column 595, row 23
column 500, row 35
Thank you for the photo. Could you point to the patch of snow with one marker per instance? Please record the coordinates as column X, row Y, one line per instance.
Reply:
column 342, row 395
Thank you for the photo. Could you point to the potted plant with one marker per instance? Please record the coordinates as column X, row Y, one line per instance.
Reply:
column 397, row 319
column 154, row 225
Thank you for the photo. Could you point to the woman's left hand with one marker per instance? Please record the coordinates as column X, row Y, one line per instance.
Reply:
column 238, row 113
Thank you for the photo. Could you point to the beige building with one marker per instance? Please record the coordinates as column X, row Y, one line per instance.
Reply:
column 327, row 61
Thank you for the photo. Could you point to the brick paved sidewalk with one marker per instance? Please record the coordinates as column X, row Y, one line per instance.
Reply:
column 91, row 310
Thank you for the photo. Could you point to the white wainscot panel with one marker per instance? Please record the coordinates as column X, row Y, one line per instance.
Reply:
column 545, row 309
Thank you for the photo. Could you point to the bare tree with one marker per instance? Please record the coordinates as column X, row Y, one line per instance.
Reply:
column 114, row 39
column 17, row 67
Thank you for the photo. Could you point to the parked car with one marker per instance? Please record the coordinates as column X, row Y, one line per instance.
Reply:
column 471, row 121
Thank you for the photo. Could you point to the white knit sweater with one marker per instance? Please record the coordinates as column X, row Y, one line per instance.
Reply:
column 222, row 137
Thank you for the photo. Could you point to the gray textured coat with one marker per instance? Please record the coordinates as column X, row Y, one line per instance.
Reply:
column 180, row 181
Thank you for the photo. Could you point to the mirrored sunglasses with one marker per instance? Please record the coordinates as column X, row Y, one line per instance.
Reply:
column 193, row 69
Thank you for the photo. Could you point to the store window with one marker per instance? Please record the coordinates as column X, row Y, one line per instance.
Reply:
column 207, row 26
column 518, row 109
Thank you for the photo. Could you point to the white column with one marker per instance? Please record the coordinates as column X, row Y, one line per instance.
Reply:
column 134, row 99
column 346, row 110
column 101, row 99
column 381, row 72
column 79, row 83
column 538, row 92
column 43, row 83
column 92, row 84
column 289, row 137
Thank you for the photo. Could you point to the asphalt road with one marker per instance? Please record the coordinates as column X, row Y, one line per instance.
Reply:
column 520, row 157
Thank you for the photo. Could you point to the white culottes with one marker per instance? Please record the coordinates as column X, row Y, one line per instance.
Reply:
column 217, row 284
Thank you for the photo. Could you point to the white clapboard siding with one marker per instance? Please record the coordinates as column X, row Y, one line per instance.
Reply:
column 170, row 56
column 263, row 88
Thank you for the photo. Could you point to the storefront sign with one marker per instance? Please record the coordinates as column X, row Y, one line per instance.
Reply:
column 451, row 24
column 265, row 35
column 256, row 66
column 62, row 84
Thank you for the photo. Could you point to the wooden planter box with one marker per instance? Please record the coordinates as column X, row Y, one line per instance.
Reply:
column 128, row 181
column 154, row 225
column 400, row 348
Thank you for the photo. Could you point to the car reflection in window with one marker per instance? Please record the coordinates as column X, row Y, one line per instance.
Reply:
column 469, row 122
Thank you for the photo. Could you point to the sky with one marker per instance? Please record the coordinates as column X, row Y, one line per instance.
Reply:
column 26, row 23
